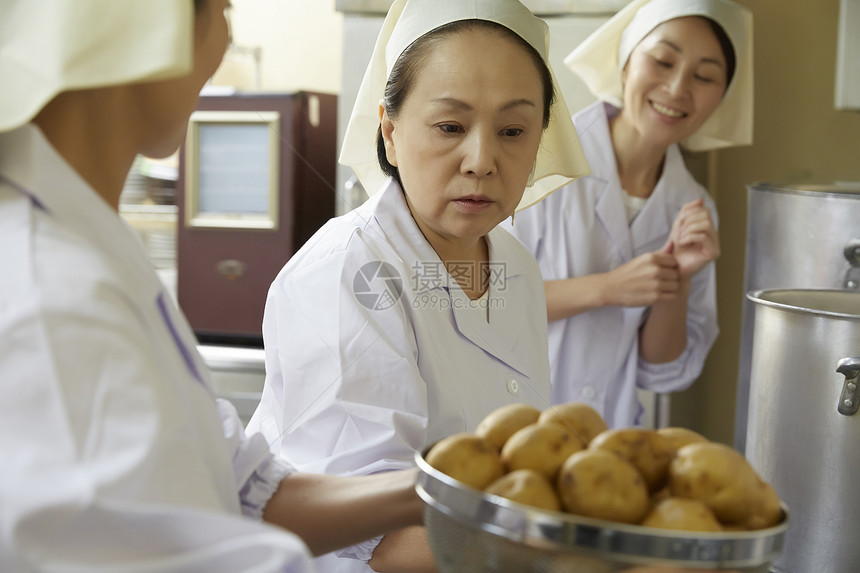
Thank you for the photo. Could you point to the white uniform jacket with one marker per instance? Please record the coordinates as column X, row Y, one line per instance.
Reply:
column 372, row 353
column 582, row 229
column 116, row 457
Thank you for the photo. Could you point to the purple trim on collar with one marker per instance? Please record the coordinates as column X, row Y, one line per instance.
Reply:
column 23, row 191
column 183, row 349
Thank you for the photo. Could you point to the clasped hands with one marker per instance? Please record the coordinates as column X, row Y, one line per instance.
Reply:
column 661, row 275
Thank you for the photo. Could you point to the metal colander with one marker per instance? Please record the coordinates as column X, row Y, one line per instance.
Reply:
column 470, row 532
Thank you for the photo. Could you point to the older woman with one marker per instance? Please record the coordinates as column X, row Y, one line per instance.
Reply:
column 628, row 252
column 413, row 317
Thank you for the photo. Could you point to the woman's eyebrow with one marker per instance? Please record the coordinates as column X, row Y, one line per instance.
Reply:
column 518, row 102
column 459, row 104
column 678, row 49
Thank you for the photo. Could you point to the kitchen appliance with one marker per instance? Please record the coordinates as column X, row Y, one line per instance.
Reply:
column 256, row 180
column 803, row 428
column 471, row 531
column 798, row 236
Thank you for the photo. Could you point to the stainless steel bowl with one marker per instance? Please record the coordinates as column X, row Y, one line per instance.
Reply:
column 470, row 531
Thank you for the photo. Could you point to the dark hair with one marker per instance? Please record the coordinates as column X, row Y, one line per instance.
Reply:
column 198, row 4
column 409, row 63
column 727, row 48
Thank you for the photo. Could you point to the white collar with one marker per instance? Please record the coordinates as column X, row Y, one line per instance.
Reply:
column 31, row 165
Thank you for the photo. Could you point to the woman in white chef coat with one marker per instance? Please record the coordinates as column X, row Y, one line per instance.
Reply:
column 413, row 317
column 628, row 252
column 116, row 456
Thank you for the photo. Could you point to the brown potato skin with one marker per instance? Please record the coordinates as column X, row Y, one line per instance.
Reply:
column 604, row 486
column 671, row 478
column 580, row 418
column 540, row 447
column 717, row 475
column 682, row 514
column 679, row 437
column 767, row 510
column 648, row 451
column 502, row 423
column 467, row 458
column 528, row 487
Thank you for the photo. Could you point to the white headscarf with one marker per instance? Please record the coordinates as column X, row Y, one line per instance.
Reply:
column 50, row 46
column 559, row 159
column 601, row 57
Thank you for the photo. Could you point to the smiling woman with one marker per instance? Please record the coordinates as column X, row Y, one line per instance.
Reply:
column 627, row 253
column 685, row 56
column 414, row 316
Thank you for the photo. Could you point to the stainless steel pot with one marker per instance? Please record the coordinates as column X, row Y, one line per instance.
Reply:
column 803, row 432
column 798, row 236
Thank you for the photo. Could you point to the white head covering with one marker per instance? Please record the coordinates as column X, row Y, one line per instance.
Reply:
column 601, row 57
column 50, row 46
column 560, row 158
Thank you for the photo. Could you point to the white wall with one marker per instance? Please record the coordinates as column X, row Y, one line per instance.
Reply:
column 300, row 42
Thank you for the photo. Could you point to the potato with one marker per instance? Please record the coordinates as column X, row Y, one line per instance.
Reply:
column 540, row 447
column 502, row 423
column 682, row 514
column 604, row 486
column 648, row 451
column 527, row 487
column 766, row 511
column 467, row 458
column 680, row 437
column 583, row 420
column 717, row 475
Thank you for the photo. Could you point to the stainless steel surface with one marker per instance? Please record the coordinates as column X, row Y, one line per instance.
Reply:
column 796, row 437
column 797, row 237
column 363, row 6
column 852, row 252
column 852, row 255
column 238, row 374
column 470, row 531
column 539, row 7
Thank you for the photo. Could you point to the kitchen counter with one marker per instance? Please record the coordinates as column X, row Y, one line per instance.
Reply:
column 238, row 374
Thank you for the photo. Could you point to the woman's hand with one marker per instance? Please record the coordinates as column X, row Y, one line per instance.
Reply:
column 695, row 238
column 647, row 279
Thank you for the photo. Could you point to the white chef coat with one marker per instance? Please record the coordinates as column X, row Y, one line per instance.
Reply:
column 351, row 390
column 582, row 229
column 116, row 457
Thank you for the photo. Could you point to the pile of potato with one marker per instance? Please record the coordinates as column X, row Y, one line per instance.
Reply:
column 565, row 458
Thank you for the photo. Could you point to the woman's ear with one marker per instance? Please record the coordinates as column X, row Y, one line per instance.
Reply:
column 387, row 129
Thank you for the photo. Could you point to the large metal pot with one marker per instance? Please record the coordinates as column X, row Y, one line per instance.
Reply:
column 803, row 432
column 798, row 236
